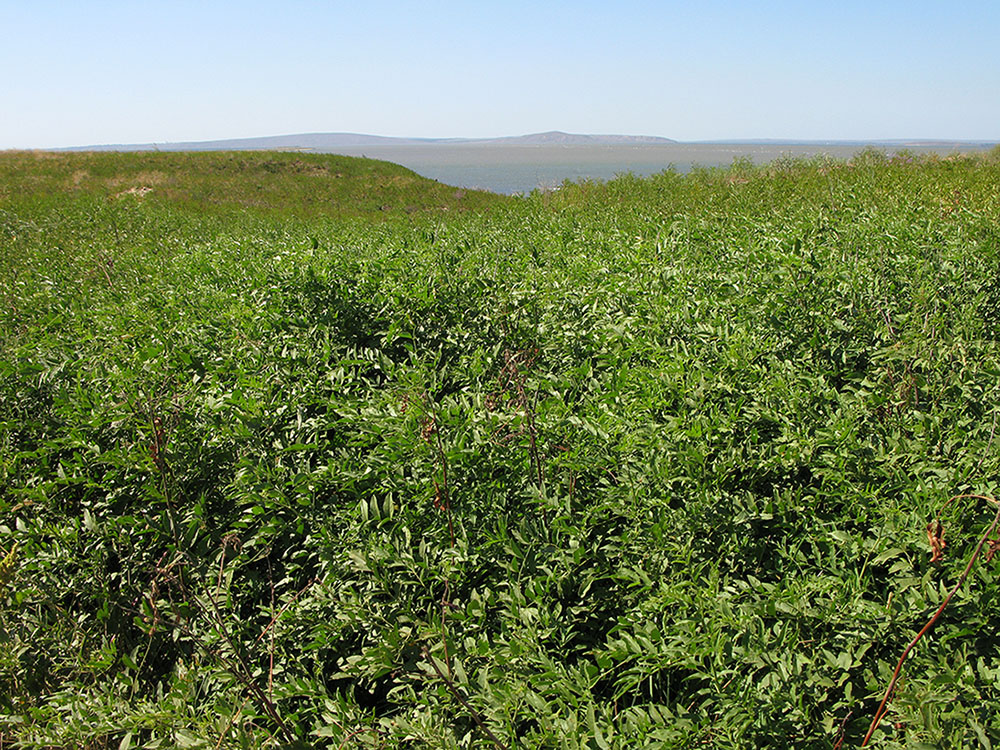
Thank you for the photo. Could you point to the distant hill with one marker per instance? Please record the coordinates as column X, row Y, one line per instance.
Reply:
column 557, row 137
column 339, row 142
column 332, row 141
column 296, row 142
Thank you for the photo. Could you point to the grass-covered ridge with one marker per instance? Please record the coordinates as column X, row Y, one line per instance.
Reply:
column 640, row 463
column 275, row 183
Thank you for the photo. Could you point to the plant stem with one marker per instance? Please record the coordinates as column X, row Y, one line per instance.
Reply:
column 882, row 709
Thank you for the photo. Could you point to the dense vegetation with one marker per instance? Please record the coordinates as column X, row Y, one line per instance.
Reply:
column 640, row 463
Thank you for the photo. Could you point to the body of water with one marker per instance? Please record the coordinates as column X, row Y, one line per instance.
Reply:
column 521, row 169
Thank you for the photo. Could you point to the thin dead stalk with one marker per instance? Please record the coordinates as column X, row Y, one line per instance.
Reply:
column 285, row 606
column 514, row 376
column 430, row 433
column 453, row 689
column 238, row 667
column 936, row 535
column 233, row 662
column 843, row 731
column 232, row 720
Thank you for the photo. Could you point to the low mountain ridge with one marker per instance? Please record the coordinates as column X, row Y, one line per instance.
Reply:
column 328, row 141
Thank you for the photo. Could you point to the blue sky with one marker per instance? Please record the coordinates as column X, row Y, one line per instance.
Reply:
column 92, row 72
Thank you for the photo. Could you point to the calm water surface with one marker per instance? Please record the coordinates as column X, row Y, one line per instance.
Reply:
column 521, row 169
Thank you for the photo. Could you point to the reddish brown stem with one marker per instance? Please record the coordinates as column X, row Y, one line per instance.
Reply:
column 453, row 689
column 882, row 709
column 445, row 489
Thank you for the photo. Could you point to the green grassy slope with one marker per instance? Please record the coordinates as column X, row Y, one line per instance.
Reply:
column 276, row 183
column 647, row 462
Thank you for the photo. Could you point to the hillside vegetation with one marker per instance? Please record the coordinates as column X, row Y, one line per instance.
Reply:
column 643, row 463
column 270, row 182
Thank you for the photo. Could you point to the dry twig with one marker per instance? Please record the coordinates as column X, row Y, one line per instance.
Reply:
column 935, row 533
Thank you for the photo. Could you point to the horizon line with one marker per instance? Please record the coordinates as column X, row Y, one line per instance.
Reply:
column 470, row 140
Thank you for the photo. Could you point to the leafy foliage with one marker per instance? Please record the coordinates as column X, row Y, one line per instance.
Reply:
column 638, row 462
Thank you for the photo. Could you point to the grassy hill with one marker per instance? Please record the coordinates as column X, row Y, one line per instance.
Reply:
column 275, row 183
column 653, row 462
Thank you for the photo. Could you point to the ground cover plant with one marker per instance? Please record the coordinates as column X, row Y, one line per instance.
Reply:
column 642, row 463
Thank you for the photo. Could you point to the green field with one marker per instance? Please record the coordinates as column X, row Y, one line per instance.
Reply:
column 309, row 450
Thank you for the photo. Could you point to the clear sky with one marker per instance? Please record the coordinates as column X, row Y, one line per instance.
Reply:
column 81, row 72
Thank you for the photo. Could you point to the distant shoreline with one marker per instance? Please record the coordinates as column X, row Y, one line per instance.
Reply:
column 513, row 169
column 546, row 160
